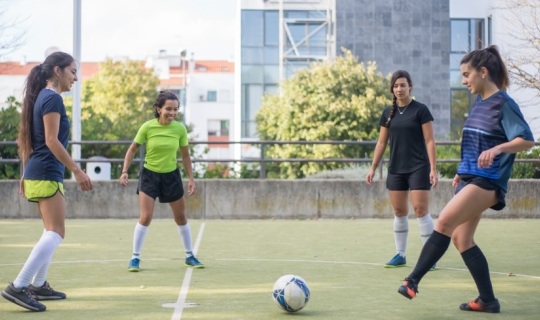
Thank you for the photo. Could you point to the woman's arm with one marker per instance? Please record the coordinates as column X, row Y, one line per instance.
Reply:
column 186, row 160
column 517, row 145
column 51, row 123
column 427, row 130
column 128, row 158
column 382, row 142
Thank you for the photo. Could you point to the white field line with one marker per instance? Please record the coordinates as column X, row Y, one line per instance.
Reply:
column 371, row 264
column 179, row 308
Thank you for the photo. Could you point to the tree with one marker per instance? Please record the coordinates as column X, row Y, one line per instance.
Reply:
column 340, row 100
column 9, row 124
column 115, row 102
column 523, row 25
column 11, row 37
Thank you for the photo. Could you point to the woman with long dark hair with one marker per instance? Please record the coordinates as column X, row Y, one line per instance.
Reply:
column 407, row 126
column 492, row 135
column 43, row 138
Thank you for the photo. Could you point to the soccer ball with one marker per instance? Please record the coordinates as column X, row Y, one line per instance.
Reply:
column 291, row 293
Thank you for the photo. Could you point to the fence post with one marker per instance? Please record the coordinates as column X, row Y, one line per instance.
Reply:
column 262, row 173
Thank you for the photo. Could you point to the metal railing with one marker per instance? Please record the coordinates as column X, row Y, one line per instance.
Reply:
column 262, row 160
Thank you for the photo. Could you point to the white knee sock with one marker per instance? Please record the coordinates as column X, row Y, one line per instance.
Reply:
column 425, row 225
column 41, row 255
column 185, row 234
column 401, row 233
column 139, row 234
column 41, row 275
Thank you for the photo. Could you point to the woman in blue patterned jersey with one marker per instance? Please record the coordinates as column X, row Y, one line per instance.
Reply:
column 493, row 133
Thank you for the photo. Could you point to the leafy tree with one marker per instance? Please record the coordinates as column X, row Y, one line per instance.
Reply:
column 340, row 100
column 114, row 104
column 9, row 124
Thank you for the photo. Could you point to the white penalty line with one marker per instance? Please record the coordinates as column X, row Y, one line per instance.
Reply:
column 179, row 308
column 510, row 274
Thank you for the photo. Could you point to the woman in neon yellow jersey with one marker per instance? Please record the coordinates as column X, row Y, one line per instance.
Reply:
column 160, row 176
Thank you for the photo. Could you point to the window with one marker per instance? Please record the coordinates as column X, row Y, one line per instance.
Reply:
column 466, row 35
column 211, row 96
column 218, row 128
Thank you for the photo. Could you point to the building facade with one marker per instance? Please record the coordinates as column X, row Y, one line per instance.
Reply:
column 428, row 38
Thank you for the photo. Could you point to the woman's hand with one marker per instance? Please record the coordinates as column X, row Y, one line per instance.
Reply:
column 456, row 181
column 191, row 187
column 123, row 179
column 83, row 180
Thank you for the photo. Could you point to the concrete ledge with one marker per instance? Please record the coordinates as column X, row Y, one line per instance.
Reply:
column 260, row 199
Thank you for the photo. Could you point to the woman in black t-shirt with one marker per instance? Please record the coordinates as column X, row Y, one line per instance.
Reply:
column 407, row 126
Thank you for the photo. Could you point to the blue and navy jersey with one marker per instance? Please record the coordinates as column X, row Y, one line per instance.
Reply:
column 492, row 121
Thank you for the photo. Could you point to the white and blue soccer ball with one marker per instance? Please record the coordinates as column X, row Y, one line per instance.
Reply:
column 291, row 293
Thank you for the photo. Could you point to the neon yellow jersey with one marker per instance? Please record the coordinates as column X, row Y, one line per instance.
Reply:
column 162, row 144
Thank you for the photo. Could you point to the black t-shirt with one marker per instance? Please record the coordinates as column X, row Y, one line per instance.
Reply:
column 408, row 151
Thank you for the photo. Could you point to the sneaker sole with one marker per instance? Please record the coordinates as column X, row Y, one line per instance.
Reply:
column 11, row 298
column 42, row 298
column 194, row 267
column 394, row 266
column 134, row 269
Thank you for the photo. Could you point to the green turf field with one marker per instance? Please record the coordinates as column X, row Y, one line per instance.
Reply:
column 342, row 261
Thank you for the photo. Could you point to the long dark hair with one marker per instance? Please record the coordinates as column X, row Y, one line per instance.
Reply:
column 398, row 74
column 160, row 100
column 490, row 59
column 36, row 80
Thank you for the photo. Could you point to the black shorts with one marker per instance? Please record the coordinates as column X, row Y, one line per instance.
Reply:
column 167, row 186
column 486, row 185
column 416, row 180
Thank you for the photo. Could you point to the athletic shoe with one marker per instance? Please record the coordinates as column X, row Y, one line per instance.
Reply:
column 408, row 289
column 22, row 297
column 433, row 268
column 45, row 292
column 396, row 261
column 480, row 306
column 191, row 261
column 134, row 265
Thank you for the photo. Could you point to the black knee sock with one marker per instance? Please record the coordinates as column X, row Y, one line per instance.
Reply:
column 479, row 269
column 433, row 250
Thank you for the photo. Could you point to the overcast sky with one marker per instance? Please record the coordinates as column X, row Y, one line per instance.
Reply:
column 132, row 28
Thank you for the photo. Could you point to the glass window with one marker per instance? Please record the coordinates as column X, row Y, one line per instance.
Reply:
column 455, row 60
column 271, row 28
column 271, row 74
column 252, row 74
column 460, row 102
column 252, row 28
column 252, row 55
column 271, row 55
column 218, row 128
column 455, row 78
column 477, row 34
column 459, row 41
column 271, row 89
column 211, row 96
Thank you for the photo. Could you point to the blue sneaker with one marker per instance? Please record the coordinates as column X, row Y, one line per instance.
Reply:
column 134, row 265
column 191, row 261
column 396, row 261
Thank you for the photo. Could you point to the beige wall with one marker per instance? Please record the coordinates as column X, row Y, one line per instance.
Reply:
column 260, row 199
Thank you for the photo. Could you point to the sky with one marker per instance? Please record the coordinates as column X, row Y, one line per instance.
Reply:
column 123, row 28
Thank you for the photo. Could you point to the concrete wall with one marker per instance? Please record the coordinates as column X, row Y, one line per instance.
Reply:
column 260, row 199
